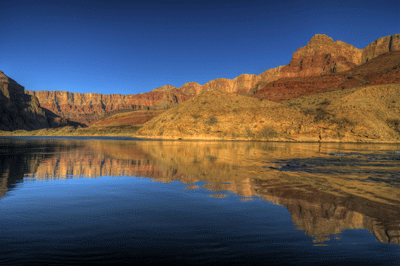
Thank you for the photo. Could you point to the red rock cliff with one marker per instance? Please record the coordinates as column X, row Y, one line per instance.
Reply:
column 321, row 55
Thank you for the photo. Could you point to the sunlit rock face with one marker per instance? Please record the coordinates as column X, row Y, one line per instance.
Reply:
column 383, row 69
column 320, row 56
column 87, row 108
column 381, row 46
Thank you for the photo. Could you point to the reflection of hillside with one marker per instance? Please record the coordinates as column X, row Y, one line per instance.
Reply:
column 84, row 163
column 320, row 204
column 321, row 214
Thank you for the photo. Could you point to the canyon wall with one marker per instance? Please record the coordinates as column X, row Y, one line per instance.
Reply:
column 17, row 109
column 87, row 108
column 320, row 56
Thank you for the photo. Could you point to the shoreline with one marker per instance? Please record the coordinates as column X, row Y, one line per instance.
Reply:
column 217, row 139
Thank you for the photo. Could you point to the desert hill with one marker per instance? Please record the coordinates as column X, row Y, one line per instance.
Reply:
column 366, row 114
column 222, row 115
column 320, row 56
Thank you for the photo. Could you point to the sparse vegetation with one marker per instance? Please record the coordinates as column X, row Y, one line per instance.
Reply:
column 126, row 130
column 267, row 132
column 212, row 120
column 344, row 123
column 394, row 124
column 320, row 114
column 325, row 102
column 250, row 134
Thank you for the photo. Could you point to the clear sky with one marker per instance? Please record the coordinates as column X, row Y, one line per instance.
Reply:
column 130, row 47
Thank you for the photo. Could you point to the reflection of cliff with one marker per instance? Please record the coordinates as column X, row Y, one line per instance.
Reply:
column 320, row 204
column 22, row 157
column 95, row 160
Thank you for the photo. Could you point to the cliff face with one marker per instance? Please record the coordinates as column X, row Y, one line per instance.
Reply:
column 381, row 46
column 320, row 56
column 383, row 69
column 88, row 108
column 17, row 109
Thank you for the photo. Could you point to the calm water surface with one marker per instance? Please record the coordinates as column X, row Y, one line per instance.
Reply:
column 97, row 200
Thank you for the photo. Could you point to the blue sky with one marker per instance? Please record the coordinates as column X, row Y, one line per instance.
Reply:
column 131, row 47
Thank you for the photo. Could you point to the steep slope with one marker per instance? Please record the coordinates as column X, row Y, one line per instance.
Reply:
column 88, row 108
column 370, row 114
column 360, row 114
column 221, row 115
column 17, row 109
column 384, row 69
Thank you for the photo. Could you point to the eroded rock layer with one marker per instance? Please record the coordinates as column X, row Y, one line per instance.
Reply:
column 17, row 109
column 320, row 56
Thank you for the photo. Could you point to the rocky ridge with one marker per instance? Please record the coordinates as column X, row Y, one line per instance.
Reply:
column 383, row 69
column 320, row 56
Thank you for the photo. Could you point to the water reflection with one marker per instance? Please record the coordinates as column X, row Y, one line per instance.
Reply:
column 327, row 188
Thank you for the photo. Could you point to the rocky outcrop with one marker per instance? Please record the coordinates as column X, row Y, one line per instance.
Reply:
column 17, row 109
column 320, row 56
column 88, row 108
column 383, row 69
column 380, row 46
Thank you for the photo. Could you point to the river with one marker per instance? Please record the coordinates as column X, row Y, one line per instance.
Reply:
column 119, row 200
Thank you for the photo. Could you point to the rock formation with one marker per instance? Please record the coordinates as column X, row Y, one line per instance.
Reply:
column 383, row 69
column 17, row 109
column 320, row 56
column 88, row 108
column 381, row 46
